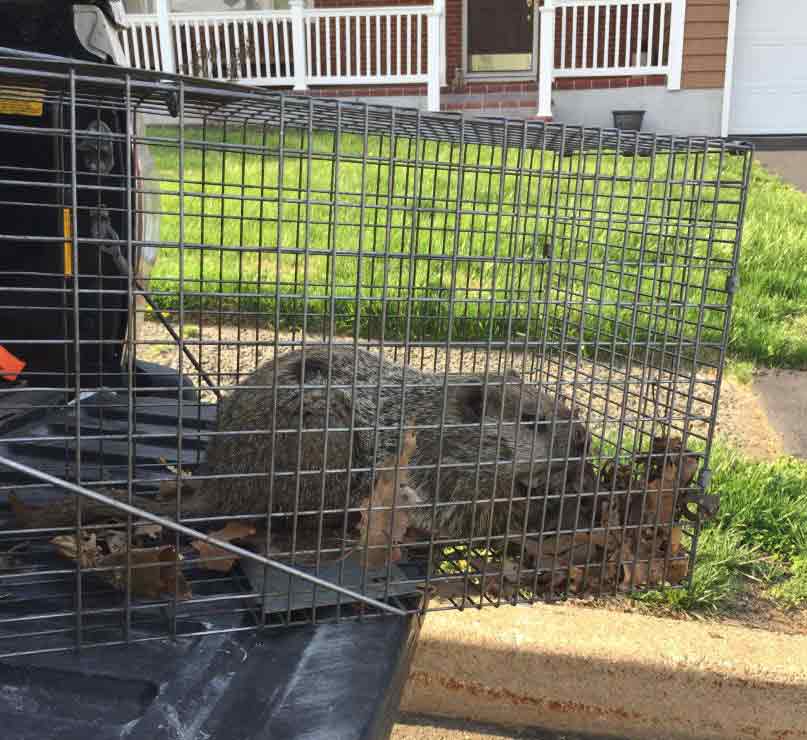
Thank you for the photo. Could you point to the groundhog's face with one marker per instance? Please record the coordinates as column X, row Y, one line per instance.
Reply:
column 525, row 435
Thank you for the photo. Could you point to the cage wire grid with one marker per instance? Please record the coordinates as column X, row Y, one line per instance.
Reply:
column 441, row 362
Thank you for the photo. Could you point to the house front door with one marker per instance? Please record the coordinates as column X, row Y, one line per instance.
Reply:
column 501, row 38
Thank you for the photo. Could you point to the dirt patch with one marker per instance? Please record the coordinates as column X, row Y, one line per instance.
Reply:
column 655, row 402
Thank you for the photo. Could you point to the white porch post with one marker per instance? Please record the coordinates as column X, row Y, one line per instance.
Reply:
column 546, row 58
column 434, row 30
column 677, row 21
column 443, row 49
column 298, row 45
column 728, row 81
column 164, row 31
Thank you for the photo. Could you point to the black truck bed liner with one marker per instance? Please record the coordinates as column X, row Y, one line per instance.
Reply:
column 332, row 680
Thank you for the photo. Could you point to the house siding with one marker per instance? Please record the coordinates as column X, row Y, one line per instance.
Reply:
column 705, row 41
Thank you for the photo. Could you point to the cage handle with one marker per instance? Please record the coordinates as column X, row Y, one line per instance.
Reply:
column 195, row 534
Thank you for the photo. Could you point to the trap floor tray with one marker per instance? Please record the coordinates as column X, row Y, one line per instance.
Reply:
column 283, row 592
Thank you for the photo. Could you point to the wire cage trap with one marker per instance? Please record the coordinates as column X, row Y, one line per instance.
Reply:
column 291, row 359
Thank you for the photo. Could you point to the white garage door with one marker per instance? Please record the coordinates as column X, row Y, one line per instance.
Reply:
column 769, row 92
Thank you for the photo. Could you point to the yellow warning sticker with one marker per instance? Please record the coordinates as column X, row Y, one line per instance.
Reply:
column 68, row 244
column 21, row 107
column 18, row 101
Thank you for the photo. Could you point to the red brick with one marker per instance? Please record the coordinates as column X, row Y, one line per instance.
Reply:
column 582, row 84
column 619, row 82
column 656, row 79
column 636, row 82
column 564, row 83
column 598, row 83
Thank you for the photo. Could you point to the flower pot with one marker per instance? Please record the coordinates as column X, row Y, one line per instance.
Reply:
column 628, row 120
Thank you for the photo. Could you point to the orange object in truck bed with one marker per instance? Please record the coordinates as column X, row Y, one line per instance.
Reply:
column 10, row 366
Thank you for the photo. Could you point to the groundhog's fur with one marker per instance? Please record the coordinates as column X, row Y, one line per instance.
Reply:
column 515, row 430
column 405, row 395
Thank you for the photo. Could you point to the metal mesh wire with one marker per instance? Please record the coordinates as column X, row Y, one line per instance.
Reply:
column 511, row 335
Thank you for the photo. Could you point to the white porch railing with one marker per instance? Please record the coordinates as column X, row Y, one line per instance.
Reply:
column 401, row 44
column 141, row 42
column 613, row 37
column 299, row 46
column 607, row 38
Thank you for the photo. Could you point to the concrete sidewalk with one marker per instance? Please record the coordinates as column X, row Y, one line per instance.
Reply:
column 790, row 165
column 417, row 727
column 599, row 672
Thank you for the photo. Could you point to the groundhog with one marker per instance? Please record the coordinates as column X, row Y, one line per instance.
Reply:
column 490, row 457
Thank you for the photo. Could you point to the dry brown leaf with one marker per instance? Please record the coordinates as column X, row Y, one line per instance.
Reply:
column 379, row 533
column 173, row 469
column 66, row 547
column 148, row 531
column 115, row 540
column 665, row 476
column 217, row 559
column 644, row 567
column 500, row 577
column 147, row 582
column 170, row 487
column 154, row 573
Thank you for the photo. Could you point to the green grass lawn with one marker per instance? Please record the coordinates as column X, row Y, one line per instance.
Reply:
column 397, row 236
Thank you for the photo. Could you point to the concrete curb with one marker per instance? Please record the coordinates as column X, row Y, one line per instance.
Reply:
column 608, row 673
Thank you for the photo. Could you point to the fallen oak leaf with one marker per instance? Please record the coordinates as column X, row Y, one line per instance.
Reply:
column 661, row 491
column 214, row 557
column 155, row 573
column 181, row 482
column 380, row 531
column 147, row 532
column 115, row 540
column 147, row 582
column 174, row 470
column 141, row 533
column 66, row 547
